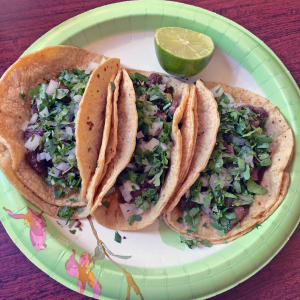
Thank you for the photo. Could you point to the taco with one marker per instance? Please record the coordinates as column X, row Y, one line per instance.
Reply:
column 246, row 176
column 55, row 120
column 146, row 168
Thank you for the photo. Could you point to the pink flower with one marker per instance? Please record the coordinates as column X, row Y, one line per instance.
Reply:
column 36, row 222
column 83, row 273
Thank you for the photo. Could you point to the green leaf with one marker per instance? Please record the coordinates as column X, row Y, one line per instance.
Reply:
column 180, row 220
column 118, row 238
column 217, row 226
column 73, row 231
column 205, row 225
column 106, row 204
column 22, row 96
column 133, row 218
column 112, row 85
column 99, row 254
column 255, row 188
column 59, row 193
column 61, row 93
column 238, row 225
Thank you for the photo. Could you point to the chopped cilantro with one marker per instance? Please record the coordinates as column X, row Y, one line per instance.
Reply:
column 73, row 231
column 118, row 238
column 133, row 218
column 180, row 220
column 22, row 96
column 106, row 204
column 67, row 212
column 112, row 85
column 238, row 225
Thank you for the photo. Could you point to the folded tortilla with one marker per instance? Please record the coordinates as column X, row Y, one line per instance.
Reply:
column 92, row 127
column 112, row 216
column 275, row 178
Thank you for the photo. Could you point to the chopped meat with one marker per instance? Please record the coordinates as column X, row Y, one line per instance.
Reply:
column 154, row 79
column 241, row 212
column 183, row 203
column 72, row 125
column 169, row 90
column 229, row 147
column 173, row 107
column 29, row 132
column 158, row 132
column 38, row 166
column 161, row 115
column 34, row 108
column 254, row 174
column 255, row 123
column 136, row 193
column 259, row 111
column 228, row 201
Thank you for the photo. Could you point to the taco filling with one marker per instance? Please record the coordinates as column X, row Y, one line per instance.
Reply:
column 226, row 188
column 140, row 182
column 50, row 133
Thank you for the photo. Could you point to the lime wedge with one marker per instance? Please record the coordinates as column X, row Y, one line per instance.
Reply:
column 183, row 52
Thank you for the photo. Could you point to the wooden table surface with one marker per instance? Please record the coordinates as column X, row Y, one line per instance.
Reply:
column 275, row 22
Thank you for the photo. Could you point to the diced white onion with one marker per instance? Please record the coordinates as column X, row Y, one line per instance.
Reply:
column 241, row 141
column 63, row 166
column 69, row 130
column 38, row 157
column 33, row 118
column 187, row 193
column 204, row 181
column 126, row 195
column 128, row 186
column 165, row 79
column 152, row 109
column 76, row 108
column 44, row 112
column 184, row 222
column 139, row 135
column 91, row 67
column 226, row 154
column 77, row 98
column 44, row 156
column 54, row 172
column 129, row 209
column 142, row 144
column 249, row 159
column 213, row 180
column 130, row 166
column 25, row 125
column 48, row 156
column 110, row 191
column 71, row 156
column 154, row 128
column 38, row 102
column 73, row 151
column 148, row 168
column 33, row 144
column 152, row 144
column 162, row 86
column 51, row 87
column 206, row 210
column 219, row 93
column 163, row 146
column 72, row 107
column 231, row 99
column 64, row 137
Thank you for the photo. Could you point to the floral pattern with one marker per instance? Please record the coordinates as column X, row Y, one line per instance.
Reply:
column 37, row 223
column 83, row 272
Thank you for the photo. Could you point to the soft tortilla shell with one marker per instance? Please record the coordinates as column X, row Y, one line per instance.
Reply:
column 116, row 219
column 275, row 179
column 127, row 122
column 208, row 124
column 93, row 124
column 28, row 71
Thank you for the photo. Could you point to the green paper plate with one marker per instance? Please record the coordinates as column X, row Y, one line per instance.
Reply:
column 240, row 259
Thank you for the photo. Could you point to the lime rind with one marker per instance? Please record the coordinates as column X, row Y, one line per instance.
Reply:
column 183, row 52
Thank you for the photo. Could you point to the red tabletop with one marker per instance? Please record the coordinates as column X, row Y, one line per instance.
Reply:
column 275, row 22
